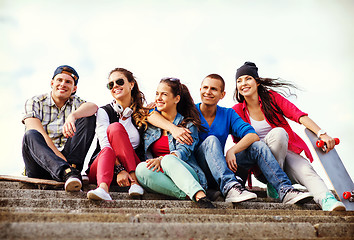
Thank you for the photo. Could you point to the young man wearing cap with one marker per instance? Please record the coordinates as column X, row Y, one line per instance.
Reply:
column 213, row 167
column 59, row 130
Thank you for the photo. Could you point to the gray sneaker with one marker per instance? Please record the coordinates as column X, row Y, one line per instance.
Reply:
column 239, row 194
column 295, row 196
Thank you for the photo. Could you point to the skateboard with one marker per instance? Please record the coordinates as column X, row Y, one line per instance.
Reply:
column 36, row 182
column 336, row 172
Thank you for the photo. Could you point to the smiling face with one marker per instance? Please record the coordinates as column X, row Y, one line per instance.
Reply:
column 63, row 86
column 165, row 100
column 247, row 86
column 211, row 91
column 123, row 92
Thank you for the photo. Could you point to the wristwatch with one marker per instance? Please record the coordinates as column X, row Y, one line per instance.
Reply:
column 321, row 132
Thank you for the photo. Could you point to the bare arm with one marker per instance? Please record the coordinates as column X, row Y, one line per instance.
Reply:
column 85, row 110
column 243, row 144
column 35, row 123
column 310, row 124
column 182, row 135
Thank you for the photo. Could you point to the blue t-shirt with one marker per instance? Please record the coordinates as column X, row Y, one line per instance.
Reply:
column 226, row 122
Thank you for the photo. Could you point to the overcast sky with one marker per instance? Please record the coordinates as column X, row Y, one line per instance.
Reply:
column 308, row 42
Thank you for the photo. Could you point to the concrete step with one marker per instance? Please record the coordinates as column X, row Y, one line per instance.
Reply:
column 85, row 203
column 174, row 230
column 158, row 216
column 27, row 213
column 45, row 194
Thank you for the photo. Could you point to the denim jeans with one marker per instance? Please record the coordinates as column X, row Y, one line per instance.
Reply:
column 40, row 160
column 178, row 179
column 210, row 155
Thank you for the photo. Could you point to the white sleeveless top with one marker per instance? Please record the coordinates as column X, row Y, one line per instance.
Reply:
column 262, row 127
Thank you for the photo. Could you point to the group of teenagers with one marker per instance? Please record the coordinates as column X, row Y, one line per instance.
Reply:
column 174, row 146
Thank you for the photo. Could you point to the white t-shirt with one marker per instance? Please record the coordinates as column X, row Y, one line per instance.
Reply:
column 262, row 127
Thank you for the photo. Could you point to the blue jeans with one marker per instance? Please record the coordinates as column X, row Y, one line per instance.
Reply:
column 211, row 159
column 41, row 161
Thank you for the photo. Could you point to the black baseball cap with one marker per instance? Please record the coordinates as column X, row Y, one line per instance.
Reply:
column 67, row 70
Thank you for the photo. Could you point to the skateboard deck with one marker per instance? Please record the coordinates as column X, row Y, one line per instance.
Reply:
column 40, row 183
column 335, row 170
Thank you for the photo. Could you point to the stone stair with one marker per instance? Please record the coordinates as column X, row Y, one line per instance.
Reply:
column 30, row 213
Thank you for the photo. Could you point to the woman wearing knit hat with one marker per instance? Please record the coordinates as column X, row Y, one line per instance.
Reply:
column 265, row 109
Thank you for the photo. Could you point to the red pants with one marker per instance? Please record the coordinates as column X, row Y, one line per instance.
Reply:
column 102, row 168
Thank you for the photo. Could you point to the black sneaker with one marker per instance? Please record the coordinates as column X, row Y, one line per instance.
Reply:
column 204, row 202
column 214, row 195
column 72, row 178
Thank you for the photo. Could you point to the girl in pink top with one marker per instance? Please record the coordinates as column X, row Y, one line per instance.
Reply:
column 265, row 110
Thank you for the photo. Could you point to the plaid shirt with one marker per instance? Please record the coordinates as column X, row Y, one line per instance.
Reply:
column 51, row 117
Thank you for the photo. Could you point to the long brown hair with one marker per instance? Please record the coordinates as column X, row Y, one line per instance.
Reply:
column 140, row 113
column 271, row 109
column 185, row 106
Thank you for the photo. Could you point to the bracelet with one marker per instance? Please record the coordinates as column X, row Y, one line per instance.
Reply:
column 118, row 168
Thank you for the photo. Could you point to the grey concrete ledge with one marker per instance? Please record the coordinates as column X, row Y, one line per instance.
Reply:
column 161, row 230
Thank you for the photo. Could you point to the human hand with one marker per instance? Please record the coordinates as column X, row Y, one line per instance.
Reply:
column 329, row 142
column 182, row 135
column 150, row 105
column 124, row 179
column 231, row 161
column 154, row 163
column 69, row 128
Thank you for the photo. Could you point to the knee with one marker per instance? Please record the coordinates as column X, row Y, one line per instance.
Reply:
column 279, row 134
column 169, row 161
column 258, row 145
column 31, row 135
column 142, row 171
column 88, row 122
column 115, row 128
column 211, row 141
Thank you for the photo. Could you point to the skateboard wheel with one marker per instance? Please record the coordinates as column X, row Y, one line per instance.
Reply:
column 347, row 195
column 320, row 143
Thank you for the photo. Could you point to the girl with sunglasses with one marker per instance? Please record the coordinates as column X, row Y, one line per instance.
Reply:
column 165, row 170
column 119, row 128
column 265, row 109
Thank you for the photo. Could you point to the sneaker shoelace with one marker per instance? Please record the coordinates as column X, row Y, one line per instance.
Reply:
column 239, row 188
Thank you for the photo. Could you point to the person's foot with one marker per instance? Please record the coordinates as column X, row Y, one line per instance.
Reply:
column 239, row 194
column 214, row 195
column 136, row 190
column 72, row 178
column 295, row 196
column 98, row 194
column 330, row 203
column 204, row 202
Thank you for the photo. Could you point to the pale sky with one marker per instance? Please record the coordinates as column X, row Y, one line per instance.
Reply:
column 308, row 42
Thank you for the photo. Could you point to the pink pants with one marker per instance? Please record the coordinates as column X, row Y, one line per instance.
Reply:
column 102, row 168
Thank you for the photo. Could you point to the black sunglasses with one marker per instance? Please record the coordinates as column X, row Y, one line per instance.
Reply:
column 119, row 82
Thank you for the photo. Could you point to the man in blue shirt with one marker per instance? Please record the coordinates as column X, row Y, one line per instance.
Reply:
column 212, row 166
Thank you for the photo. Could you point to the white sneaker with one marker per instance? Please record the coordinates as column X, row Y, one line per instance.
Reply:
column 239, row 194
column 98, row 194
column 295, row 196
column 136, row 190
column 73, row 184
